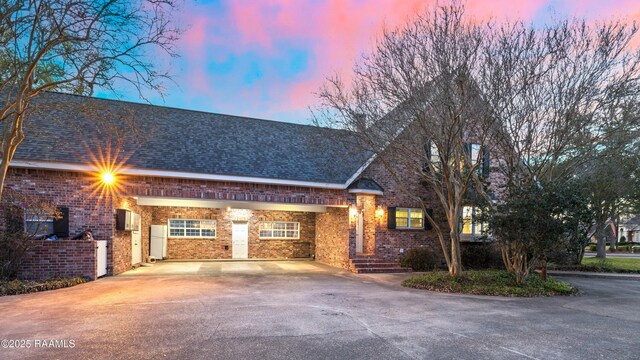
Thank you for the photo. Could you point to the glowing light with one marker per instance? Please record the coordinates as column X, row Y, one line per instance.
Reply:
column 108, row 177
column 353, row 211
column 380, row 211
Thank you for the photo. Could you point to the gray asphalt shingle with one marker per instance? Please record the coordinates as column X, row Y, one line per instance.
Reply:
column 75, row 129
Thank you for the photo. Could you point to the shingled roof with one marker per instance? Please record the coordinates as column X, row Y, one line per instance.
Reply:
column 75, row 129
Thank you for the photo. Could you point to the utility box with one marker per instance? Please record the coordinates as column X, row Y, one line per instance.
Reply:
column 123, row 220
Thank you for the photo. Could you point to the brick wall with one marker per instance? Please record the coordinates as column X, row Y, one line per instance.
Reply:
column 61, row 258
column 217, row 190
column 392, row 243
column 332, row 237
column 87, row 209
column 221, row 247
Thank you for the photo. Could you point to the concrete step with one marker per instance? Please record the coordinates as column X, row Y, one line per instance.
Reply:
column 381, row 270
column 368, row 261
column 362, row 264
column 375, row 265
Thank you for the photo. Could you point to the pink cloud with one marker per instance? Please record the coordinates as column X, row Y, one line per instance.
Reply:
column 333, row 32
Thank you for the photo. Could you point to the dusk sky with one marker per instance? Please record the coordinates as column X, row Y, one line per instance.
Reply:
column 266, row 58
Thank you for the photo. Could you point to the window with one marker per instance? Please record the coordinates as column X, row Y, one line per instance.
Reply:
column 192, row 228
column 37, row 226
column 409, row 218
column 471, row 225
column 475, row 153
column 431, row 151
column 279, row 230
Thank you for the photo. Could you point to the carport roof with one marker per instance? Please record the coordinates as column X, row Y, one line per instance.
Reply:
column 64, row 128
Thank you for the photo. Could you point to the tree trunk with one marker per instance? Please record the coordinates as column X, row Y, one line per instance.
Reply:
column 455, row 269
column 602, row 241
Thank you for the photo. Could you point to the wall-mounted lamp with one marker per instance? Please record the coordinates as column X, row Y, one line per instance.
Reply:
column 353, row 211
column 380, row 211
column 107, row 177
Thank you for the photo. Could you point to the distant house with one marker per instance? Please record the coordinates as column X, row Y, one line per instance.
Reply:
column 630, row 229
column 218, row 186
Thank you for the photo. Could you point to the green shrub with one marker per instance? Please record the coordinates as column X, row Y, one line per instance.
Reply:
column 419, row 259
column 592, row 247
column 481, row 256
column 626, row 248
column 489, row 282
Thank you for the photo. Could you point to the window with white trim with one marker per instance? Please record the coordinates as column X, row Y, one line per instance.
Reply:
column 409, row 218
column 189, row 228
column 35, row 225
column 475, row 154
column 279, row 230
column 471, row 225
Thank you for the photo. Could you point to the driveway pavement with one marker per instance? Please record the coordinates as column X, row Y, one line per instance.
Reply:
column 304, row 310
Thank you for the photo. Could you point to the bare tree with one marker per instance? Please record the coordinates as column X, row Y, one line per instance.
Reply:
column 537, row 97
column 554, row 92
column 76, row 46
column 414, row 103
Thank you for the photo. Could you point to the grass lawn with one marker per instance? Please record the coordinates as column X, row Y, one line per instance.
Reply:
column 628, row 264
column 15, row 287
column 489, row 282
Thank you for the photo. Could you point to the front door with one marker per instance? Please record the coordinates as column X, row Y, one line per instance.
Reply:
column 360, row 232
column 240, row 240
column 136, row 240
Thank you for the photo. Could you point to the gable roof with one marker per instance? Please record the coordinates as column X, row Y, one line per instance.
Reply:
column 72, row 129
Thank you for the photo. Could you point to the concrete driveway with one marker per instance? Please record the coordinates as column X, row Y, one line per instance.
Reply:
column 304, row 310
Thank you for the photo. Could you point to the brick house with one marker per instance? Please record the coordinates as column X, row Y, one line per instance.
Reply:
column 224, row 187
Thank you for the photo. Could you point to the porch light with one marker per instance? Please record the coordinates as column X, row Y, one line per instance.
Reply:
column 353, row 211
column 380, row 211
column 107, row 177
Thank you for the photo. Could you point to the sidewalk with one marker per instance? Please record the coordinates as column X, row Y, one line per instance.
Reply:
column 596, row 275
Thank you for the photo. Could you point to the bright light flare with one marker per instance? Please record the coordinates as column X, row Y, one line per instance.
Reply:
column 108, row 178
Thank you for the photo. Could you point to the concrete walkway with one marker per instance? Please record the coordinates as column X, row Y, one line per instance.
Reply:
column 275, row 312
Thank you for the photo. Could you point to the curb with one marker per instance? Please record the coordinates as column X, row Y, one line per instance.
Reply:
column 614, row 276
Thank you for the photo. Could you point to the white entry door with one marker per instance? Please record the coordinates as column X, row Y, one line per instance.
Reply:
column 136, row 240
column 360, row 233
column 240, row 240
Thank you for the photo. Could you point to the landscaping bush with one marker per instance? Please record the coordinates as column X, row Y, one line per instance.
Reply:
column 626, row 248
column 481, row 256
column 489, row 282
column 592, row 247
column 419, row 259
column 15, row 287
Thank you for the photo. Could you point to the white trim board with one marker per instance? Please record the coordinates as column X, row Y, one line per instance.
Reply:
column 177, row 174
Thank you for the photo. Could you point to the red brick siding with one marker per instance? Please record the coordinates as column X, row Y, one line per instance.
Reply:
column 390, row 242
column 61, row 258
column 217, row 190
column 332, row 237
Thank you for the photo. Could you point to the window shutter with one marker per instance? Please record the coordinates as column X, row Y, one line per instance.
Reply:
column 391, row 217
column 467, row 149
column 427, row 224
column 61, row 225
column 486, row 161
